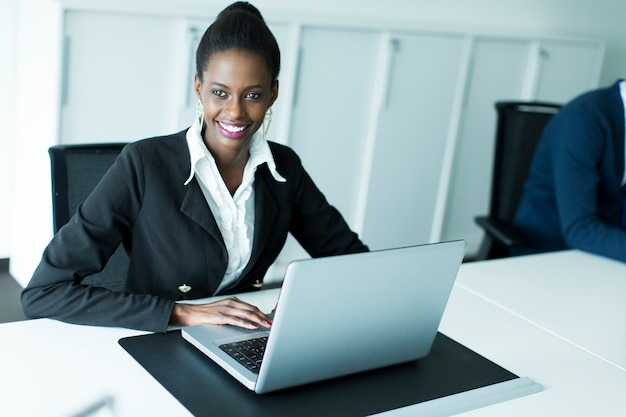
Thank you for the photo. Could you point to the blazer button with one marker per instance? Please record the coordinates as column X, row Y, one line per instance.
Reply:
column 184, row 288
column 257, row 284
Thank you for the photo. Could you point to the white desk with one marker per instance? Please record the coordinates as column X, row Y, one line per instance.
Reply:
column 576, row 383
column 55, row 369
column 574, row 295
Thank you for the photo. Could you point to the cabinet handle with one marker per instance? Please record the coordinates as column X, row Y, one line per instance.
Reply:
column 393, row 51
column 296, row 81
column 65, row 68
column 191, row 71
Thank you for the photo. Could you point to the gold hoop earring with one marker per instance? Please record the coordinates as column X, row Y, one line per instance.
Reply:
column 200, row 113
column 267, row 120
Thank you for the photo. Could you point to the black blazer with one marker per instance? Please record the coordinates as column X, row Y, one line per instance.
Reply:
column 172, row 238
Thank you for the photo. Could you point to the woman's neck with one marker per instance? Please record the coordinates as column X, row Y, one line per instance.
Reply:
column 231, row 164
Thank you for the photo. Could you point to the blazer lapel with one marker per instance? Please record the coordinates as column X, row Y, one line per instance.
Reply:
column 266, row 211
column 194, row 205
column 196, row 208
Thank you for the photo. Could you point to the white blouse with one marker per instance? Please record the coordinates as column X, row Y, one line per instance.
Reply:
column 234, row 214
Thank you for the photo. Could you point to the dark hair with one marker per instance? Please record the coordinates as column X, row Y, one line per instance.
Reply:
column 239, row 26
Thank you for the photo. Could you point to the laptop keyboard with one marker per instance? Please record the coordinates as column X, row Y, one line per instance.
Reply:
column 249, row 352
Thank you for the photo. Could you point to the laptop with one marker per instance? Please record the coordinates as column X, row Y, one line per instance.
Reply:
column 340, row 315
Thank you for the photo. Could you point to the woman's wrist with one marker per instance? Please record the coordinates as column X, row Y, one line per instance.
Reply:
column 177, row 315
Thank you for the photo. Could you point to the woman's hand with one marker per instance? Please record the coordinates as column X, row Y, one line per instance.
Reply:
column 231, row 311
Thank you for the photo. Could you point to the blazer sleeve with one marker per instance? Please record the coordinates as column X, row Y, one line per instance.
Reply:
column 317, row 225
column 83, row 246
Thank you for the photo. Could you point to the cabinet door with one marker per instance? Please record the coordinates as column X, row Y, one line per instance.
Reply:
column 497, row 72
column 190, row 33
column 118, row 77
column 331, row 106
column 333, row 77
column 567, row 69
column 286, row 36
column 412, row 132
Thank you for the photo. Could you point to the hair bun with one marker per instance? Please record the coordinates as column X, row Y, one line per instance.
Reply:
column 241, row 27
column 240, row 7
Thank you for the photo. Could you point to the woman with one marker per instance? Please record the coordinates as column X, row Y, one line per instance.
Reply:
column 202, row 212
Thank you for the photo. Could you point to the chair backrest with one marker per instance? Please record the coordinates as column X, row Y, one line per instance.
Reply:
column 76, row 169
column 518, row 130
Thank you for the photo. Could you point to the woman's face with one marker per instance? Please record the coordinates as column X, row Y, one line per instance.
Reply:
column 236, row 90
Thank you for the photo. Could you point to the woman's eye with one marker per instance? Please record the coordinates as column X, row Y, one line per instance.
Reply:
column 218, row 93
column 253, row 96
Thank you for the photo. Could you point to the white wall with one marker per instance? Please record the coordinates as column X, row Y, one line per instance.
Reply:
column 30, row 33
column 8, row 45
column 36, row 125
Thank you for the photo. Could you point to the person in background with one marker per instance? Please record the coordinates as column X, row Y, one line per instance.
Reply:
column 202, row 212
column 574, row 197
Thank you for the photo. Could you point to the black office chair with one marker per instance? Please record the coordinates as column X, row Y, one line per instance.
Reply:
column 518, row 130
column 76, row 169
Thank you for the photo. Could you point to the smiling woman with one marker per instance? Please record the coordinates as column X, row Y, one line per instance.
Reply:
column 202, row 212
column 235, row 90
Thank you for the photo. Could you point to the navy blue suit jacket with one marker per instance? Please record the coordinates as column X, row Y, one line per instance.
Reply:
column 172, row 237
column 572, row 197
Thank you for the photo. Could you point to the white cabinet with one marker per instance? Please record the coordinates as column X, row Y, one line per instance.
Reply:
column 496, row 71
column 412, row 135
column 506, row 69
column 566, row 69
column 372, row 121
column 396, row 128
column 336, row 73
column 116, row 82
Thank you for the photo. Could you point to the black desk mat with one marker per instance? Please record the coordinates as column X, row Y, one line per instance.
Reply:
column 205, row 389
